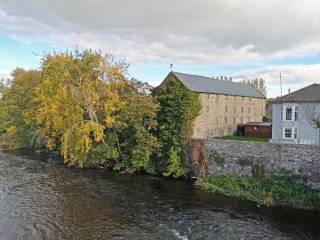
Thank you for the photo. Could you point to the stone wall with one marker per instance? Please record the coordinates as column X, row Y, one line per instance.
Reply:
column 221, row 114
column 253, row 158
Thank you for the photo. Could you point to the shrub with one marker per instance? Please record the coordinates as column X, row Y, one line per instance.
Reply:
column 281, row 189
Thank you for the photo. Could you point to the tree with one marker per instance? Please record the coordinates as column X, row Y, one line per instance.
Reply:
column 15, row 105
column 92, row 114
column 81, row 105
column 178, row 109
column 258, row 83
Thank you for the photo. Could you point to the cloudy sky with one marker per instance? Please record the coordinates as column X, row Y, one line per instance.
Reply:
column 239, row 38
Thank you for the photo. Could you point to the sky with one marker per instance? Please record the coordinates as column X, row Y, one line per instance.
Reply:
column 238, row 38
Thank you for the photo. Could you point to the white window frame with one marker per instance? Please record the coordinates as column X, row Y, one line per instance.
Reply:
column 292, row 133
column 284, row 112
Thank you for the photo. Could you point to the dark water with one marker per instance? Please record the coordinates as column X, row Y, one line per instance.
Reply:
column 42, row 199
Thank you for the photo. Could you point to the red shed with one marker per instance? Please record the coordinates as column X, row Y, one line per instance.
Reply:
column 258, row 129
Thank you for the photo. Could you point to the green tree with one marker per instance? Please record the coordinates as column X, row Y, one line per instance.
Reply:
column 178, row 109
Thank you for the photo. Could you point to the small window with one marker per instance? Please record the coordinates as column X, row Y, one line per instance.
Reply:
column 234, row 120
column 226, row 109
column 295, row 133
column 226, row 120
column 288, row 133
column 217, row 120
column 242, row 109
column 242, row 120
column 288, row 114
column 208, row 95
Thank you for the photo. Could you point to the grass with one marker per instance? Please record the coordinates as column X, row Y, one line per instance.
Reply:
column 282, row 189
column 243, row 138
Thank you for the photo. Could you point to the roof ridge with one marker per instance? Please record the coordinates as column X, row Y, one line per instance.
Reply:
column 212, row 78
column 205, row 84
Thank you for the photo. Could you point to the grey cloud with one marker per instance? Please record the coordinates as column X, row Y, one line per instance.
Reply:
column 203, row 31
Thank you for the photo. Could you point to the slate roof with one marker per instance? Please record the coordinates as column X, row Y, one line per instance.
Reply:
column 310, row 93
column 210, row 85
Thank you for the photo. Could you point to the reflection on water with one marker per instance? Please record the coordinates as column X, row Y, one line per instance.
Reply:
column 42, row 199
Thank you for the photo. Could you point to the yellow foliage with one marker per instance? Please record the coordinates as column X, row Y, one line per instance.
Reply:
column 11, row 130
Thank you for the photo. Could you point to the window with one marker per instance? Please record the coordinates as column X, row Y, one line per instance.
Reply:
column 217, row 120
column 241, row 109
column 242, row 120
column 234, row 120
column 288, row 133
column 226, row 120
column 295, row 133
column 288, row 114
column 208, row 95
column 296, row 109
column 226, row 109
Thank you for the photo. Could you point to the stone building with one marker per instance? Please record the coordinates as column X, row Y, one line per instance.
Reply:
column 225, row 104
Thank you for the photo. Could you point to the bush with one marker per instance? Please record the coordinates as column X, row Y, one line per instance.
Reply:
column 281, row 189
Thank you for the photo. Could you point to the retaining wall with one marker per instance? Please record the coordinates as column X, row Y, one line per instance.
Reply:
column 251, row 158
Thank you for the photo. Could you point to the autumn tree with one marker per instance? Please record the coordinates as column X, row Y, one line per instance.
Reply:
column 15, row 105
column 92, row 114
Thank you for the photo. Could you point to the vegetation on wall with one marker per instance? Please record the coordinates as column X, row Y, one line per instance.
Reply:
column 178, row 109
column 281, row 189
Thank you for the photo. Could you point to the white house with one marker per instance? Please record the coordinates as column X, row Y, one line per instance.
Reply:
column 293, row 117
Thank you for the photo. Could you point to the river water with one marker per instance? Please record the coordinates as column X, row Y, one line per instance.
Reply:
column 40, row 198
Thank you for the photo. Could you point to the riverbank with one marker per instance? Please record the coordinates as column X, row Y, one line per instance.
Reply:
column 281, row 189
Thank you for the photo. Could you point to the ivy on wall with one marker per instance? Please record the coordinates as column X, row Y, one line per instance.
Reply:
column 178, row 109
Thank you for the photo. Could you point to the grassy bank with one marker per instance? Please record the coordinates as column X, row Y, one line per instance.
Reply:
column 282, row 189
column 243, row 138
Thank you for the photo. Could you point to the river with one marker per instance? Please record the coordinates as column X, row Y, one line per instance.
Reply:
column 40, row 198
